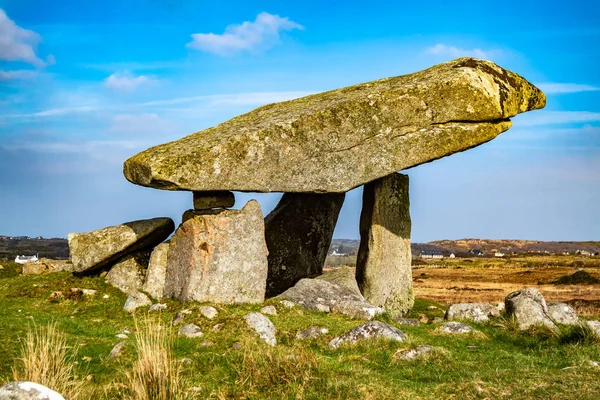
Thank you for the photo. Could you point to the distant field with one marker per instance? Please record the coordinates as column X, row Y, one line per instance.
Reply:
column 48, row 248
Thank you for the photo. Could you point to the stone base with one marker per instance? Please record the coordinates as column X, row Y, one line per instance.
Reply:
column 208, row 200
column 383, row 266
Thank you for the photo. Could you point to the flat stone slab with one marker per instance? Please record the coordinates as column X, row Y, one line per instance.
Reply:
column 337, row 140
column 477, row 312
column 369, row 330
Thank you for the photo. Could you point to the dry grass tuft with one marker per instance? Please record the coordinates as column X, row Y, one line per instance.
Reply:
column 46, row 359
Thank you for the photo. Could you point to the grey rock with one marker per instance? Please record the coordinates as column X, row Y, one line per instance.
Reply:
column 190, row 331
column 208, row 311
column 311, row 333
column 356, row 309
column 217, row 327
column 128, row 274
column 157, row 307
column 595, row 325
column 561, row 313
column 298, row 234
column 322, row 308
column 116, row 351
column 96, row 250
column 219, row 257
column 477, row 312
column 407, row 321
column 383, row 265
column 180, row 316
column 215, row 199
column 136, row 300
column 344, row 277
column 416, row 353
column 369, row 330
column 437, row 320
column 455, row 328
column 122, row 336
column 529, row 308
column 263, row 326
column 268, row 310
column 28, row 391
column 157, row 271
column 287, row 304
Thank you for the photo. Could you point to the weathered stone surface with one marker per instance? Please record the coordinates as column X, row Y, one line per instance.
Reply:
column 383, row 265
column 219, row 257
column 157, row 271
column 190, row 331
column 263, row 326
column 208, row 311
column 46, row 265
column 268, row 310
column 136, row 300
column 529, row 308
column 95, row 250
column 338, row 140
column 208, row 200
column 561, row 313
column 28, row 391
column 117, row 350
column 128, row 274
column 356, row 309
column 298, row 234
column 477, row 312
column 595, row 325
column 369, row 330
column 157, row 307
column 287, row 304
column 344, row 277
column 455, row 328
column 407, row 321
column 311, row 332
column 413, row 354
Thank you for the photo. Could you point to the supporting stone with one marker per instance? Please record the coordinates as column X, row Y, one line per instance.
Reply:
column 217, row 199
column 383, row 267
column 219, row 257
column 157, row 271
column 298, row 233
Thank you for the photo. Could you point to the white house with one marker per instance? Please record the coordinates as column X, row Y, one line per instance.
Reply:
column 25, row 259
column 431, row 254
column 499, row 253
column 338, row 254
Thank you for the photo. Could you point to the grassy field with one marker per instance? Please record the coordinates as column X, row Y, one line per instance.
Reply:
column 497, row 362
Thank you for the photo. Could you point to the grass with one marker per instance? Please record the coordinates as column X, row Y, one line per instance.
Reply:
column 499, row 362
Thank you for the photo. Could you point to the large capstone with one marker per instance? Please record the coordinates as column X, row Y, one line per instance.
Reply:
column 383, row 266
column 298, row 233
column 96, row 250
column 219, row 257
column 338, row 140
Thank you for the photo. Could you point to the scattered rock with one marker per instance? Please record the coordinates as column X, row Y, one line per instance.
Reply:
column 413, row 354
column 157, row 271
column 269, row 310
column 369, row 330
column 407, row 321
column 219, row 257
column 95, row 250
column 217, row 327
column 311, row 333
column 136, row 300
column 356, row 309
column 298, row 234
column 116, row 351
column 477, row 312
column 561, row 313
column 287, row 304
column 208, row 311
column 209, row 200
column 179, row 317
column 128, row 274
column 455, row 328
column 122, row 336
column 84, row 292
column 263, row 326
column 500, row 306
column 383, row 264
column 528, row 308
column 437, row 320
column 157, row 307
column 46, row 265
column 236, row 346
column 56, row 296
column 28, row 391
column 595, row 325
column 35, row 268
column 190, row 331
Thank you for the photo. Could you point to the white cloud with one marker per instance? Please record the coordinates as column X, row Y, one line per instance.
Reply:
column 18, row 44
column 557, row 88
column 539, row 118
column 125, row 81
column 261, row 34
column 140, row 124
column 441, row 49
column 74, row 147
column 17, row 74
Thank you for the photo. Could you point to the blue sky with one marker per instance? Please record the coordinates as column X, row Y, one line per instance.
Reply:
column 85, row 85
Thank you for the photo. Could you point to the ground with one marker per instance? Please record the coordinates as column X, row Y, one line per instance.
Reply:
column 497, row 362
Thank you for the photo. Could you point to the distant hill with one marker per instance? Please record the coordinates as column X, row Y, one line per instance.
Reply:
column 487, row 246
column 55, row 248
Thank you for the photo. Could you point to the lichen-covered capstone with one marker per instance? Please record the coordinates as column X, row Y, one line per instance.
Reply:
column 96, row 250
column 298, row 234
column 338, row 140
column 219, row 257
column 383, row 265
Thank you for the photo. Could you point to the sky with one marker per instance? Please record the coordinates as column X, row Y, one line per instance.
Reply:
column 86, row 85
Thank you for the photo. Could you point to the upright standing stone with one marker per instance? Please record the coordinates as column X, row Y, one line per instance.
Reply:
column 298, row 233
column 157, row 271
column 383, row 266
column 219, row 257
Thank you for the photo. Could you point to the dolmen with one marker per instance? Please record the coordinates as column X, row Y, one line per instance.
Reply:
column 313, row 150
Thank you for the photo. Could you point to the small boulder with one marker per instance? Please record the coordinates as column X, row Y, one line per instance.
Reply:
column 157, row 307
column 269, row 310
column 369, row 330
column 128, row 274
column 180, row 316
column 28, row 391
column 455, row 328
column 477, row 312
column 562, row 313
column 154, row 284
column 287, row 304
column 413, row 354
column 595, row 325
column 529, row 308
column 136, row 300
column 263, row 326
column 356, row 309
column 116, row 351
column 190, row 331
column 311, row 333
column 208, row 311
column 407, row 321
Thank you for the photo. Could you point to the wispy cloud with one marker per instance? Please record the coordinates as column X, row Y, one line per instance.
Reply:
column 125, row 81
column 540, row 118
column 146, row 123
column 441, row 49
column 558, row 88
column 74, row 147
column 18, row 44
column 261, row 34
column 17, row 74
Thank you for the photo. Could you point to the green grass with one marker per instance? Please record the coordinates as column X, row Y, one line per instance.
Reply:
column 500, row 362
